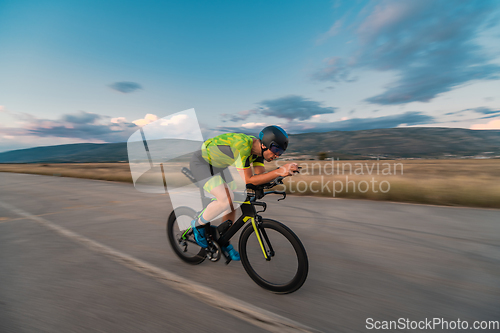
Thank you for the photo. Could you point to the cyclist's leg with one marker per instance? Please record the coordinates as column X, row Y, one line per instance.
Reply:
column 223, row 203
column 230, row 214
column 217, row 187
column 213, row 180
column 207, row 178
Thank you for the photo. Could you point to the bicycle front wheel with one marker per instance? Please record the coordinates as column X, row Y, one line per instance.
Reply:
column 287, row 266
column 181, row 237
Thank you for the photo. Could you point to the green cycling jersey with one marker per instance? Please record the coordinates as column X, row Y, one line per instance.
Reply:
column 231, row 149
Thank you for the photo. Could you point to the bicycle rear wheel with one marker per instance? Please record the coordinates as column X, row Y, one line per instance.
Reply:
column 185, row 247
column 287, row 269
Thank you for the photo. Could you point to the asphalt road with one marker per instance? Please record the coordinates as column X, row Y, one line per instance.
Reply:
column 80, row 255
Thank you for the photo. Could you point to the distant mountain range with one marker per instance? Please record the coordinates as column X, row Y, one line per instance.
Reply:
column 417, row 142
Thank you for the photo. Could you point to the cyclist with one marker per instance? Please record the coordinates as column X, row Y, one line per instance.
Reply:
column 209, row 167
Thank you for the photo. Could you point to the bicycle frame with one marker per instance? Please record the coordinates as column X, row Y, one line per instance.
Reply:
column 248, row 213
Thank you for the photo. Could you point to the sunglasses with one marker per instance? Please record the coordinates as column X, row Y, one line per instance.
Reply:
column 276, row 150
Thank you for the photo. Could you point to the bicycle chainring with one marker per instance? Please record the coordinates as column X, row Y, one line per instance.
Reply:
column 213, row 251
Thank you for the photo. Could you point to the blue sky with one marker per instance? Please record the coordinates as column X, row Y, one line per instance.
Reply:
column 93, row 71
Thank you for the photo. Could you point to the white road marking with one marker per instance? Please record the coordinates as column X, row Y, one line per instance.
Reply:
column 254, row 315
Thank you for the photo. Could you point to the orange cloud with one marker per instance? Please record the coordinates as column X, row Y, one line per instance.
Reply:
column 149, row 118
column 494, row 124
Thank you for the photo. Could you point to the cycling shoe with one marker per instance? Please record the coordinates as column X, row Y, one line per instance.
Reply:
column 199, row 235
column 233, row 254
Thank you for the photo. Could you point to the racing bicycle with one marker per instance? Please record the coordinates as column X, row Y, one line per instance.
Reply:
column 272, row 255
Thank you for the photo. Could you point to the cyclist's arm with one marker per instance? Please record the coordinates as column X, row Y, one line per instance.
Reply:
column 266, row 177
column 257, row 169
column 262, row 178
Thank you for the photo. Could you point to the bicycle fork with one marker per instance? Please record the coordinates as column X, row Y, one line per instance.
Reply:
column 261, row 234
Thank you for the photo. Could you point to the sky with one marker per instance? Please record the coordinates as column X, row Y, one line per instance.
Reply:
column 95, row 71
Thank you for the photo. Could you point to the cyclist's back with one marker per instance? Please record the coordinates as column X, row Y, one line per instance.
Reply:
column 230, row 149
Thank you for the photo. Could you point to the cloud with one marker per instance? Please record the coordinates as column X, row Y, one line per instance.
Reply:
column 292, row 107
column 80, row 125
column 429, row 44
column 81, row 117
column 325, row 89
column 125, row 87
column 177, row 126
column 118, row 120
column 240, row 116
column 333, row 31
column 149, row 118
column 410, row 118
column 492, row 125
column 336, row 70
column 181, row 125
column 177, row 120
column 490, row 116
column 483, row 110
column 454, row 113
column 21, row 116
column 254, row 125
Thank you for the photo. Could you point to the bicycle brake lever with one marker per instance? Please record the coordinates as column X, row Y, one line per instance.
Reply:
column 284, row 196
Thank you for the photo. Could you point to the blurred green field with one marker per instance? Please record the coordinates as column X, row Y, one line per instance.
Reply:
column 474, row 183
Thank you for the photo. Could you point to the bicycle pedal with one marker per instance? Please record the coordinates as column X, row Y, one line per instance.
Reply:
column 228, row 258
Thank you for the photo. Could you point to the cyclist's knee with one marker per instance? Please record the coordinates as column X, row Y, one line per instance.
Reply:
column 225, row 204
column 224, row 195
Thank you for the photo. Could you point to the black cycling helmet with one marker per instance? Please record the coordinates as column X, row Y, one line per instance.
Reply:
column 274, row 138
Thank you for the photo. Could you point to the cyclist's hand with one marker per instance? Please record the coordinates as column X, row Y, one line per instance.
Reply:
column 288, row 169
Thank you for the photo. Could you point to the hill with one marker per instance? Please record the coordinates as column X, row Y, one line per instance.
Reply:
column 385, row 143
column 417, row 142
column 74, row 153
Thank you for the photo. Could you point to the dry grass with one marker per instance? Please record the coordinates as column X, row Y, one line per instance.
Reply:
column 444, row 182
column 101, row 171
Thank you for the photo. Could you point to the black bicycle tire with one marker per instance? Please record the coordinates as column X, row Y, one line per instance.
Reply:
column 303, row 263
column 193, row 260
